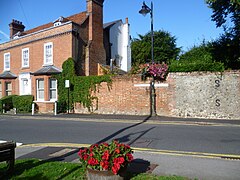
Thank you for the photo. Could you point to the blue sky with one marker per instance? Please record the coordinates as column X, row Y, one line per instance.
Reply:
column 188, row 20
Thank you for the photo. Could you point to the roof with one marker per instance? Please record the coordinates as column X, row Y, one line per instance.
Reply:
column 47, row 70
column 7, row 75
column 76, row 18
column 110, row 24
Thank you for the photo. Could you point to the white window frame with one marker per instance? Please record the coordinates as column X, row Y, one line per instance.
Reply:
column 48, row 60
column 7, row 60
column 52, row 89
column 8, row 91
column 57, row 24
column 42, row 89
column 23, row 57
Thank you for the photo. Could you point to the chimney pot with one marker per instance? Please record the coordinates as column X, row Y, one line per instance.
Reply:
column 15, row 27
column 126, row 20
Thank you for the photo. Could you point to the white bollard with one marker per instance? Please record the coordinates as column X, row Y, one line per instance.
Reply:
column 55, row 108
column 33, row 106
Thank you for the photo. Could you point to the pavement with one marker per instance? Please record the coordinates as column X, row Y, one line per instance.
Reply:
column 189, row 164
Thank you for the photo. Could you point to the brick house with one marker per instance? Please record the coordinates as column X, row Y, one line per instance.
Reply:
column 29, row 59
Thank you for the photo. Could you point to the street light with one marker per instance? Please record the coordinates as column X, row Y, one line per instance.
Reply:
column 144, row 11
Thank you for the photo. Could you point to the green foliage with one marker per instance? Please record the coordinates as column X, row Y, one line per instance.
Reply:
column 226, row 49
column 198, row 58
column 81, row 87
column 6, row 102
column 164, row 48
column 23, row 103
column 85, row 85
column 177, row 66
column 197, row 54
column 68, row 73
column 38, row 169
column 225, row 11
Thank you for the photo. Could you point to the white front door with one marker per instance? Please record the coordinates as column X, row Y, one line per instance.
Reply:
column 24, row 84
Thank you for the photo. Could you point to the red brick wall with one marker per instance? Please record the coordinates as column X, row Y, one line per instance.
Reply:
column 195, row 95
column 124, row 98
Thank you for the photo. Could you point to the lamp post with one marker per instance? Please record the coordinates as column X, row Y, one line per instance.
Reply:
column 144, row 11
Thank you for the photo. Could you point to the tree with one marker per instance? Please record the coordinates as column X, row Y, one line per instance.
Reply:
column 226, row 48
column 165, row 48
column 199, row 53
column 225, row 10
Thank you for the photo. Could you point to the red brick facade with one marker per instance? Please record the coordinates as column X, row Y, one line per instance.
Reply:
column 79, row 36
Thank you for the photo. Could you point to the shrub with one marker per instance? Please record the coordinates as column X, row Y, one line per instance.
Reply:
column 177, row 66
column 23, row 103
column 6, row 102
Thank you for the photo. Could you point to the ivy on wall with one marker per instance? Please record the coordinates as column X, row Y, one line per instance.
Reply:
column 81, row 87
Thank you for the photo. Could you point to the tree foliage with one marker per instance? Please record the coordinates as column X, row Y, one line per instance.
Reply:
column 81, row 87
column 226, row 49
column 198, row 58
column 224, row 10
column 164, row 48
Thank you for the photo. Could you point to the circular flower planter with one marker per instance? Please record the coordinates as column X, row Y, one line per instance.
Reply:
column 102, row 175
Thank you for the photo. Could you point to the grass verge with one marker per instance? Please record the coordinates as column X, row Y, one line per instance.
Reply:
column 51, row 170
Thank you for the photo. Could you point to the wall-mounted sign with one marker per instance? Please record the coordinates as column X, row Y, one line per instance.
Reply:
column 67, row 84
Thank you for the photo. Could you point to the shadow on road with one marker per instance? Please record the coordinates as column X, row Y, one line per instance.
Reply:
column 126, row 138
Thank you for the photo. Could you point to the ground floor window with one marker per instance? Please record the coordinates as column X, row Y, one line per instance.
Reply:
column 53, row 89
column 40, row 89
column 8, row 88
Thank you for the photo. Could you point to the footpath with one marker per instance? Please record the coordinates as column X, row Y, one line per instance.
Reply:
column 200, row 166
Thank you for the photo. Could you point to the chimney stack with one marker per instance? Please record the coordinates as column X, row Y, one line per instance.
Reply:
column 15, row 26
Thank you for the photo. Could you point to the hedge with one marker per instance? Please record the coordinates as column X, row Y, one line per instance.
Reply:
column 6, row 102
column 23, row 103
column 197, row 66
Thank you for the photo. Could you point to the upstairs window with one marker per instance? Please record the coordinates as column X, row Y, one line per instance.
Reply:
column 25, row 57
column 57, row 24
column 48, row 53
column 6, row 61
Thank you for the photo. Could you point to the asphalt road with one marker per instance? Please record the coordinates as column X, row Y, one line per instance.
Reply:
column 175, row 137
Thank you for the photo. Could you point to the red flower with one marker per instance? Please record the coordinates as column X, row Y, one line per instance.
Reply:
column 85, row 157
column 104, row 164
column 92, row 161
column 129, row 157
column 105, row 155
column 115, row 168
column 118, row 160
column 117, row 151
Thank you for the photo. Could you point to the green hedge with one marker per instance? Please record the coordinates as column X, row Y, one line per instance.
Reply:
column 6, row 103
column 197, row 66
column 23, row 103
